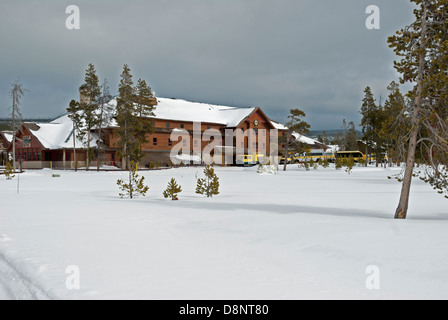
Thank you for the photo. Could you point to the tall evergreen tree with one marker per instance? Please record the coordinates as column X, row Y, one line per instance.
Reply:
column 105, row 118
column 90, row 109
column 73, row 114
column 85, row 113
column 351, row 137
column 372, row 119
column 394, row 125
column 369, row 112
column 126, row 118
column 133, row 128
column 423, row 50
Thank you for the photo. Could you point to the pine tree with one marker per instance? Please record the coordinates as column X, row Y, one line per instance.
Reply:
column 133, row 129
column 85, row 114
column 135, row 186
column 296, row 126
column 372, row 123
column 351, row 137
column 73, row 114
column 368, row 122
column 324, row 138
column 349, row 163
column 172, row 190
column 325, row 163
column 9, row 171
column 105, row 118
column 423, row 51
column 89, row 110
column 143, row 90
column 209, row 185
column 395, row 123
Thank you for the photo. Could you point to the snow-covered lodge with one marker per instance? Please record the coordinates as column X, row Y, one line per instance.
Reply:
column 5, row 140
column 39, row 144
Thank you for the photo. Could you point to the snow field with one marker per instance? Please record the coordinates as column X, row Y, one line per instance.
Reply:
column 295, row 235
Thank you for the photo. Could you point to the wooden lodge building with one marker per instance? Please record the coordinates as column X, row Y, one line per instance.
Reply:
column 39, row 145
column 5, row 140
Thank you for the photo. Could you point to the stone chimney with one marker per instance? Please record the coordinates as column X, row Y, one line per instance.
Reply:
column 84, row 95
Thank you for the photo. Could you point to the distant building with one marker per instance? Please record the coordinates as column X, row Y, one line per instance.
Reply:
column 5, row 141
column 39, row 145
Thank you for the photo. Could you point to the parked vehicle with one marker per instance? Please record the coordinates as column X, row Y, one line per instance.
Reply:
column 315, row 156
column 358, row 156
column 246, row 160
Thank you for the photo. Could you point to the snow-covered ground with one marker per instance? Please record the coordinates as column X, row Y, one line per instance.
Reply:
column 288, row 236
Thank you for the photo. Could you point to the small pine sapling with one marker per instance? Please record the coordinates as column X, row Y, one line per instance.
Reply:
column 349, row 163
column 306, row 164
column 9, row 171
column 325, row 163
column 172, row 190
column 135, row 186
column 338, row 163
column 208, row 186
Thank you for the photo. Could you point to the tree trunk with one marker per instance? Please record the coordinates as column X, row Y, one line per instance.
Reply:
column 88, row 150
column 286, row 151
column 74, row 148
column 367, row 155
column 402, row 210
column 100, row 150
column 13, row 133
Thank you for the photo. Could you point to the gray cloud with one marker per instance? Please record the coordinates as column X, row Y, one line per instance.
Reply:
column 313, row 54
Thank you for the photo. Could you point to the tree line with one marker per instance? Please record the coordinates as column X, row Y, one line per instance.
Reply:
column 130, row 116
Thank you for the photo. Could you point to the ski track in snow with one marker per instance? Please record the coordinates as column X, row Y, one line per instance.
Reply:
column 16, row 285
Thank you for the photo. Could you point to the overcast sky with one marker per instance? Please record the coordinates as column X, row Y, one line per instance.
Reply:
column 314, row 54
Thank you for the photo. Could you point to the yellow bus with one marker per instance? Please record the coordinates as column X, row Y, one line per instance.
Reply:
column 315, row 156
column 358, row 156
column 246, row 160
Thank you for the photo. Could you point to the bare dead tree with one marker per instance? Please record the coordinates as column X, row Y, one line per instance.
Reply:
column 17, row 93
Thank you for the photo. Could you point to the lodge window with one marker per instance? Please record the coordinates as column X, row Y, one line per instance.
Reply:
column 154, row 141
column 208, row 128
column 170, row 142
column 167, row 124
column 182, row 126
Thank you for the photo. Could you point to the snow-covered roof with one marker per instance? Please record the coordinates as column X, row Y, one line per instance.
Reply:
column 57, row 134
column 182, row 110
column 278, row 126
column 301, row 138
column 305, row 139
column 8, row 136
